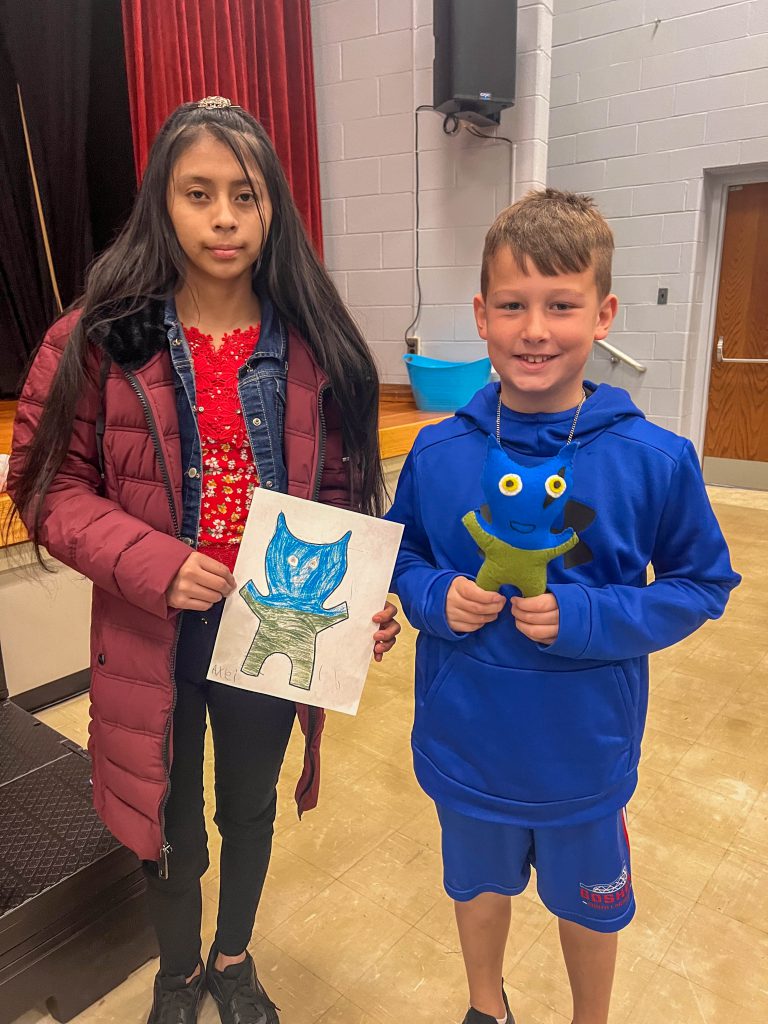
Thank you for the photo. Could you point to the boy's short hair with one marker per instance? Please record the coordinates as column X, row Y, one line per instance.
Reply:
column 560, row 232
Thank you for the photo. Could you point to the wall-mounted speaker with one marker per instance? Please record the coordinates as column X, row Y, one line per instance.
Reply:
column 475, row 58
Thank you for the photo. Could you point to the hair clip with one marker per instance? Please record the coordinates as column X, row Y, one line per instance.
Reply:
column 214, row 102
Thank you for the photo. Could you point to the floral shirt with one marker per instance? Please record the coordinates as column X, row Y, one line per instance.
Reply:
column 229, row 472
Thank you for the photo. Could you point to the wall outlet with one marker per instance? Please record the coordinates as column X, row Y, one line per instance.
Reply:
column 663, row 297
column 413, row 345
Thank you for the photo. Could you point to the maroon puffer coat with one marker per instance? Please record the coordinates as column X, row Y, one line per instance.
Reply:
column 119, row 533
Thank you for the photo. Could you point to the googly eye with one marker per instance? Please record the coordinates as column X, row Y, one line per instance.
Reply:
column 510, row 484
column 293, row 561
column 555, row 486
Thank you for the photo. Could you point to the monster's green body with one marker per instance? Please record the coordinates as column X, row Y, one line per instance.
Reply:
column 289, row 631
column 505, row 564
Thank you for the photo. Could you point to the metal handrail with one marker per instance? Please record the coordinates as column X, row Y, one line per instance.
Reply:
column 617, row 356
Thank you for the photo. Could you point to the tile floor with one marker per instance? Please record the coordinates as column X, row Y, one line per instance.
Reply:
column 354, row 927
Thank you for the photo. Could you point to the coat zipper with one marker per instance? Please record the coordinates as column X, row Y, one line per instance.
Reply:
column 321, row 459
column 313, row 713
column 165, row 846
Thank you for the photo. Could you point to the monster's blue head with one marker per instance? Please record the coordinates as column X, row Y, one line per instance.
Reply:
column 525, row 501
column 303, row 575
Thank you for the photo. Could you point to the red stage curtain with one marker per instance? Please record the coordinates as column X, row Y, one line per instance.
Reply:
column 258, row 53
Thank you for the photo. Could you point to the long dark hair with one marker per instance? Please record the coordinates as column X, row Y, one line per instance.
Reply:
column 146, row 262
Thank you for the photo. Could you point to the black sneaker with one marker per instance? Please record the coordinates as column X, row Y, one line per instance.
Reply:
column 239, row 994
column 174, row 1001
column 475, row 1017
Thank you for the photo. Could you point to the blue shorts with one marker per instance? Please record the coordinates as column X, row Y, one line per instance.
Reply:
column 583, row 872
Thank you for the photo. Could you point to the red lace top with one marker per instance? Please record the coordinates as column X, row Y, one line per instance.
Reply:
column 229, row 472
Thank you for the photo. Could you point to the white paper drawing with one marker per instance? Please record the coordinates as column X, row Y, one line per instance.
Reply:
column 309, row 579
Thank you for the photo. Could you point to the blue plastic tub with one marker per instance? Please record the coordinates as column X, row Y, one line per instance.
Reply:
column 442, row 386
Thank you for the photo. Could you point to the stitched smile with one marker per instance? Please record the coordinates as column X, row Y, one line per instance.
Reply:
column 522, row 527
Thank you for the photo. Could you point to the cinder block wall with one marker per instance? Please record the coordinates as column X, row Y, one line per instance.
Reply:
column 373, row 61
column 646, row 99
column 634, row 101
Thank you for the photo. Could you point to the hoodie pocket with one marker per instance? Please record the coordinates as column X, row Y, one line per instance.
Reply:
column 626, row 694
column 527, row 736
column 429, row 682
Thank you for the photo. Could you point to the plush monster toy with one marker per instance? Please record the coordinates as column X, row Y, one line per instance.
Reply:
column 514, row 531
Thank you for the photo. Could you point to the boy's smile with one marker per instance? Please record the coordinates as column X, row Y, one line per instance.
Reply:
column 539, row 331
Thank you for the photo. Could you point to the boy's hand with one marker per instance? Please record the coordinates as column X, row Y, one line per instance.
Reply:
column 538, row 618
column 468, row 607
column 384, row 638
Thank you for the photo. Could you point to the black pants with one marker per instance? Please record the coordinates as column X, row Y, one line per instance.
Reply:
column 250, row 734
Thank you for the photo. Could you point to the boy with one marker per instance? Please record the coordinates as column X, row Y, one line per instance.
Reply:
column 530, row 710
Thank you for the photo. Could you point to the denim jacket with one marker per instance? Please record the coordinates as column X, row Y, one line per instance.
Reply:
column 262, row 389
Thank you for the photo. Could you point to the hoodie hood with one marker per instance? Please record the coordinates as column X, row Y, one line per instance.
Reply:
column 544, row 434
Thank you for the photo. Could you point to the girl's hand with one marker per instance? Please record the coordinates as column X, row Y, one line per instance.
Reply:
column 384, row 638
column 200, row 583
column 469, row 607
column 538, row 618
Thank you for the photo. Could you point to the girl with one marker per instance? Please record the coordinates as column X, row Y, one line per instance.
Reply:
column 209, row 355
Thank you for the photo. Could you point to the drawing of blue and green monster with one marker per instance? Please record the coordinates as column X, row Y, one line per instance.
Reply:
column 301, row 576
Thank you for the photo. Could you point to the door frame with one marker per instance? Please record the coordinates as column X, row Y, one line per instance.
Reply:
column 714, row 205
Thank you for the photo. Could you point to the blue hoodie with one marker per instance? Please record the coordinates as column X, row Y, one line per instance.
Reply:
column 510, row 730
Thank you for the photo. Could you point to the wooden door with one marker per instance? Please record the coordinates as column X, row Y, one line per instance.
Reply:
column 736, row 440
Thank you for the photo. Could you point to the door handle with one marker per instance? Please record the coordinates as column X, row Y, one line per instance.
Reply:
column 721, row 358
